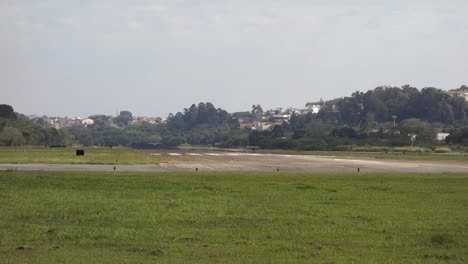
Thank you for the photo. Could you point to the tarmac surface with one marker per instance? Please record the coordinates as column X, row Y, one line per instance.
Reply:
column 256, row 162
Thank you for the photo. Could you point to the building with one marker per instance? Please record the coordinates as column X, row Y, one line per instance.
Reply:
column 313, row 107
column 87, row 122
column 442, row 136
column 463, row 94
column 462, row 91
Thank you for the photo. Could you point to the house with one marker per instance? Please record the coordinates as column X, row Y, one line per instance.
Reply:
column 313, row 107
column 462, row 91
column 138, row 120
column 442, row 136
column 281, row 118
column 244, row 126
column 463, row 94
column 87, row 122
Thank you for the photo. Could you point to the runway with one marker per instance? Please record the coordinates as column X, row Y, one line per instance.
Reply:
column 253, row 162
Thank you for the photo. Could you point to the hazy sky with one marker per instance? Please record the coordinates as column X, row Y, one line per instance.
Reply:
column 81, row 57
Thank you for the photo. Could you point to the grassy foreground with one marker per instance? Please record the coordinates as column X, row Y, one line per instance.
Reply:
column 68, row 156
column 401, row 154
column 429, row 156
column 232, row 218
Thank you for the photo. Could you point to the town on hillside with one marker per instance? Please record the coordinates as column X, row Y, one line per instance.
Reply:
column 256, row 119
column 385, row 116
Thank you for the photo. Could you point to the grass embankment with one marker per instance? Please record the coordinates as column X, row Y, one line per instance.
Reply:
column 68, row 156
column 403, row 153
column 233, row 218
column 429, row 156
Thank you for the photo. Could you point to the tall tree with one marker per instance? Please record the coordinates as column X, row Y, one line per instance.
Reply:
column 124, row 118
column 6, row 111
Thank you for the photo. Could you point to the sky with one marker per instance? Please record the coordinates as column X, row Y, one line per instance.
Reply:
column 84, row 57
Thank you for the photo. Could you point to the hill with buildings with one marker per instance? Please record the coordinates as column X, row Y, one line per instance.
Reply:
column 384, row 116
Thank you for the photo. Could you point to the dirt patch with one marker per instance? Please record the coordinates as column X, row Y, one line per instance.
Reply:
column 438, row 256
column 24, row 247
column 157, row 253
column 301, row 186
column 441, row 240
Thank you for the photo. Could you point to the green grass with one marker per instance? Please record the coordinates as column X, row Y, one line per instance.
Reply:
column 68, row 156
column 429, row 156
column 400, row 153
column 233, row 218
column 24, row 155
column 189, row 147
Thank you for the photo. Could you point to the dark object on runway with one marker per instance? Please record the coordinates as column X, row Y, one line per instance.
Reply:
column 80, row 152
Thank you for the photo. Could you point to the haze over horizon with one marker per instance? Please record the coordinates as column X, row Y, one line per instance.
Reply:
column 79, row 58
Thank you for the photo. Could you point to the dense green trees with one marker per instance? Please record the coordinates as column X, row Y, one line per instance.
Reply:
column 17, row 130
column 6, row 112
column 203, row 125
column 380, row 104
column 458, row 136
column 124, row 118
column 385, row 116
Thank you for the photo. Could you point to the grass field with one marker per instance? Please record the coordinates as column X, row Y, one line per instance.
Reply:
column 126, row 156
column 68, row 156
column 232, row 218
column 407, row 155
column 455, row 156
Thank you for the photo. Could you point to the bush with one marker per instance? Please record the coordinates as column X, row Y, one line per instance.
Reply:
column 412, row 149
column 459, row 148
column 371, row 149
column 443, row 150
column 343, row 148
column 312, row 144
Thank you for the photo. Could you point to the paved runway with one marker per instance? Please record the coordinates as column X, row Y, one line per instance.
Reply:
column 224, row 161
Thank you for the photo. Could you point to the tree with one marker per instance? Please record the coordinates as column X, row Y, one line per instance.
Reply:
column 124, row 118
column 7, row 112
column 257, row 110
column 277, row 132
column 349, row 109
column 413, row 126
column 100, row 121
column 11, row 136
column 368, row 123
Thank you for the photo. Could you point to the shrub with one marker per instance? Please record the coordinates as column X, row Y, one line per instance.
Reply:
column 371, row 149
column 443, row 150
column 343, row 148
column 412, row 149
column 441, row 239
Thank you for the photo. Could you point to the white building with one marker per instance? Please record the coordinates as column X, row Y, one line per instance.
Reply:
column 87, row 122
column 442, row 136
column 313, row 107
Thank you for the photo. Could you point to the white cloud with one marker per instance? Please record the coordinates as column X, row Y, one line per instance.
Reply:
column 199, row 47
column 135, row 25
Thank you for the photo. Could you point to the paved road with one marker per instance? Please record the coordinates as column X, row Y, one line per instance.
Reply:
column 260, row 162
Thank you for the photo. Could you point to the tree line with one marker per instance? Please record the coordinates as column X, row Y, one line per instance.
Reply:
column 384, row 116
column 17, row 130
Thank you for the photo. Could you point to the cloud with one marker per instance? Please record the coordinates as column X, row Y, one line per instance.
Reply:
column 135, row 25
column 165, row 48
column 156, row 8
